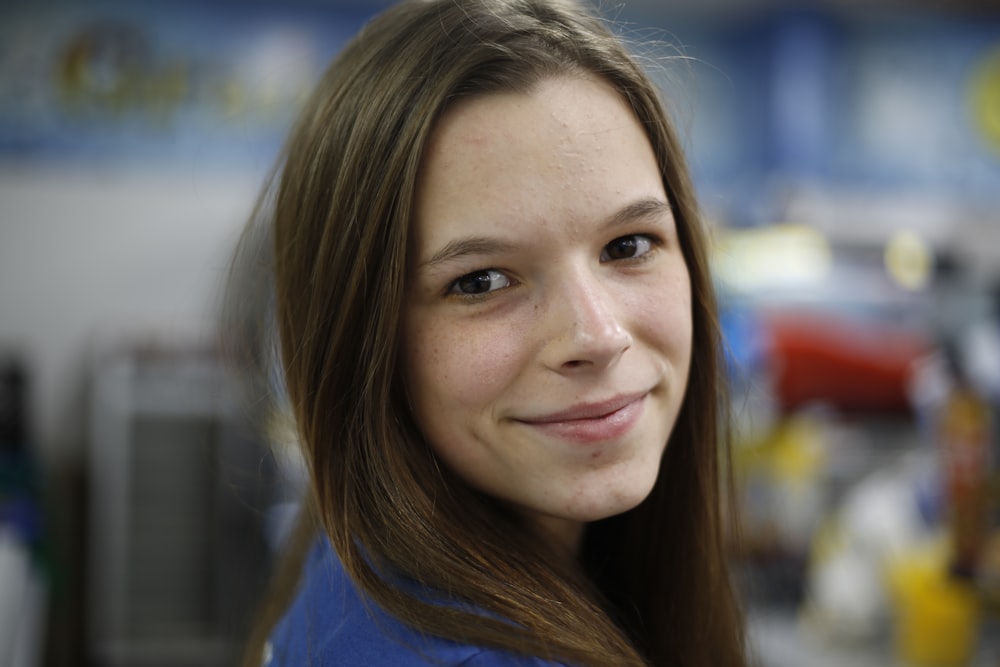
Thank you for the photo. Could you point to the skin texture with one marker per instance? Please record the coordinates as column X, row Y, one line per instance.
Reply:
column 548, row 314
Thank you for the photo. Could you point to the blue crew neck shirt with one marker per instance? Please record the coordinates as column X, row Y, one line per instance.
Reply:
column 329, row 624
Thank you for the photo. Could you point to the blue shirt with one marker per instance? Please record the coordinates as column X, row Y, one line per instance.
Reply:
column 328, row 624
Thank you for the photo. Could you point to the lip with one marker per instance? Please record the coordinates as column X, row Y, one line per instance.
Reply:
column 592, row 422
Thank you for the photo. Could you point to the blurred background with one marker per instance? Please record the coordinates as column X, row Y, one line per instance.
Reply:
column 848, row 159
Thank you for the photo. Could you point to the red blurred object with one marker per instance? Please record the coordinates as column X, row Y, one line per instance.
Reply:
column 851, row 365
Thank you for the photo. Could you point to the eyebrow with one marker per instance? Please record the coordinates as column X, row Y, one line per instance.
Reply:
column 648, row 207
column 645, row 208
column 469, row 245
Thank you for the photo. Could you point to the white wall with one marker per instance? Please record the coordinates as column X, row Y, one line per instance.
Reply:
column 89, row 256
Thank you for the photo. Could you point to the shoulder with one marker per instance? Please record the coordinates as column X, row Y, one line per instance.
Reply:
column 492, row 658
column 330, row 624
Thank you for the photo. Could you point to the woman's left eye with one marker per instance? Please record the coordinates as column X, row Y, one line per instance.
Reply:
column 479, row 283
column 632, row 246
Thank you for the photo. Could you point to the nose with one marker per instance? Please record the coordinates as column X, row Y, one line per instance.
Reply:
column 585, row 324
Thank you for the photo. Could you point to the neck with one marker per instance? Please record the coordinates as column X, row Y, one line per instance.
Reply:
column 562, row 534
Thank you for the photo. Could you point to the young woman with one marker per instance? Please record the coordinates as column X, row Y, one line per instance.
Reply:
column 500, row 346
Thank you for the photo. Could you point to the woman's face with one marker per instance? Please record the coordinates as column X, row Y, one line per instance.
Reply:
column 547, row 330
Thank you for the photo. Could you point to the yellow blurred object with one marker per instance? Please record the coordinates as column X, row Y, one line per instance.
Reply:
column 984, row 98
column 792, row 452
column 909, row 260
column 782, row 499
column 937, row 616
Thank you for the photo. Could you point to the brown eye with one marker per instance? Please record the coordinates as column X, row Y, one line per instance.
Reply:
column 626, row 247
column 480, row 282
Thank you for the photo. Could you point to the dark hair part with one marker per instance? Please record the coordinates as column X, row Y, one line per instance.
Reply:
column 653, row 585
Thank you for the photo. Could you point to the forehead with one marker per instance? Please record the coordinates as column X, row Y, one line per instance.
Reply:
column 569, row 146
column 511, row 120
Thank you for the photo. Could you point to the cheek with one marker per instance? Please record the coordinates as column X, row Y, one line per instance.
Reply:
column 663, row 315
column 461, row 364
column 676, row 313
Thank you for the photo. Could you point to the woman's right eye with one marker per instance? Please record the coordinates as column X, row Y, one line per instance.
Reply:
column 479, row 282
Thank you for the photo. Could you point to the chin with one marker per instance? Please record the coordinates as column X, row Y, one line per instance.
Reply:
column 613, row 502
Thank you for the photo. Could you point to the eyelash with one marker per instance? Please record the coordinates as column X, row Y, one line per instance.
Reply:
column 453, row 288
column 652, row 244
column 491, row 274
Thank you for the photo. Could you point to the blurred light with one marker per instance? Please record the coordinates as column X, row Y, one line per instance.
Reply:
column 908, row 260
column 985, row 98
column 774, row 257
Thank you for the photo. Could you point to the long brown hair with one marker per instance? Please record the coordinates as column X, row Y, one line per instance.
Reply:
column 652, row 586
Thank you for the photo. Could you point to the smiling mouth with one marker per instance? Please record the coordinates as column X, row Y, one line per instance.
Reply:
column 592, row 422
